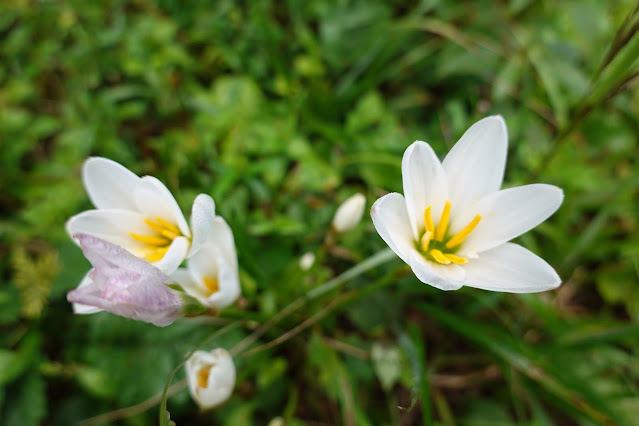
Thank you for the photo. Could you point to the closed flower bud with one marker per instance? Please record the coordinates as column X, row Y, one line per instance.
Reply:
column 211, row 377
column 349, row 213
column 125, row 285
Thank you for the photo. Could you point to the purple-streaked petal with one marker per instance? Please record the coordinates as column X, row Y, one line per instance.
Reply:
column 81, row 309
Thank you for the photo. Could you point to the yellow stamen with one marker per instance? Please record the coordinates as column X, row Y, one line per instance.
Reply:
column 169, row 234
column 461, row 235
column 428, row 221
column 425, row 241
column 156, row 254
column 211, row 284
column 439, row 256
column 443, row 223
column 168, row 225
column 456, row 259
column 203, row 377
column 155, row 226
column 154, row 241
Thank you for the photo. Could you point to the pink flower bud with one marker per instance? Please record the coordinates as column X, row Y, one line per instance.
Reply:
column 126, row 285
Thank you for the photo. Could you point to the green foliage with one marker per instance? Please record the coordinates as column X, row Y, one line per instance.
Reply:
column 279, row 110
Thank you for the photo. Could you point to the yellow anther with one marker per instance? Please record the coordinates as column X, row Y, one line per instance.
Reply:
column 443, row 223
column 211, row 284
column 439, row 256
column 456, row 259
column 153, row 241
column 428, row 221
column 461, row 235
column 425, row 241
column 156, row 254
column 203, row 377
column 155, row 226
column 168, row 225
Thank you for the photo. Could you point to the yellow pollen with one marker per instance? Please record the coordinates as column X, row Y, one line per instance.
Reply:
column 156, row 246
column 428, row 220
column 152, row 241
column 456, row 259
column 461, row 235
column 211, row 284
column 425, row 241
column 439, row 256
column 433, row 244
column 203, row 377
column 443, row 223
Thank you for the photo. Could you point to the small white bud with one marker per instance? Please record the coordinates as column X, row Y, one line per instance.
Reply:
column 211, row 377
column 349, row 213
column 307, row 260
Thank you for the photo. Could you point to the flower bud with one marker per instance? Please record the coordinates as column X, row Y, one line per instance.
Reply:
column 125, row 285
column 349, row 213
column 306, row 261
column 211, row 377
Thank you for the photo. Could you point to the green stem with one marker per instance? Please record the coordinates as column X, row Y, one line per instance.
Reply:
column 370, row 263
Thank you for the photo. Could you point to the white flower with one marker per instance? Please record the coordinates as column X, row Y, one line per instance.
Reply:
column 212, row 274
column 125, row 285
column 211, row 377
column 137, row 214
column 453, row 224
column 349, row 213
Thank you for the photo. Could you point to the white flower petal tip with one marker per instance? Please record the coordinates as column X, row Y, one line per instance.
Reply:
column 453, row 224
column 202, row 217
column 211, row 377
column 138, row 214
column 349, row 213
column 125, row 285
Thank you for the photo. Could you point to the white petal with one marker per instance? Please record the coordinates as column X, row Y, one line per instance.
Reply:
column 475, row 165
column 507, row 214
column 443, row 277
column 392, row 224
column 425, row 184
column 174, row 256
column 79, row 308
column 114, row 226
column 155, row 200
column 223, row 237
column 229, row 286
column 109, row 184
column 510, row 268
column 202, row 216
column 185, row 279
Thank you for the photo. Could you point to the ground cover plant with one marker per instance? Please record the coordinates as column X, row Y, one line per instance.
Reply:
column 280, row 111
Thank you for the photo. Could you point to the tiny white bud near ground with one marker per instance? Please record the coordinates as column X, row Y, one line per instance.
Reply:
column 349, row 213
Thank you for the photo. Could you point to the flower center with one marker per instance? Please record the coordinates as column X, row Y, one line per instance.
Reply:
column 435, row 245
column 211, row 284
column 157, row 245
column 203, row 377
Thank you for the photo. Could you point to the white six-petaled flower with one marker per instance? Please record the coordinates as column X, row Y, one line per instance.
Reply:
column 125, row 285
column 453, row 223
column 211, row 377
column 211, row 275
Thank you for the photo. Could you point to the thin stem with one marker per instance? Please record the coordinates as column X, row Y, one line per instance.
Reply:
column 133, row 410
column 344, row 298
column 373, row 261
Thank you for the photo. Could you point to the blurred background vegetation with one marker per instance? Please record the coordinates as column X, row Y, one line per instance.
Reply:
column 280, row 110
